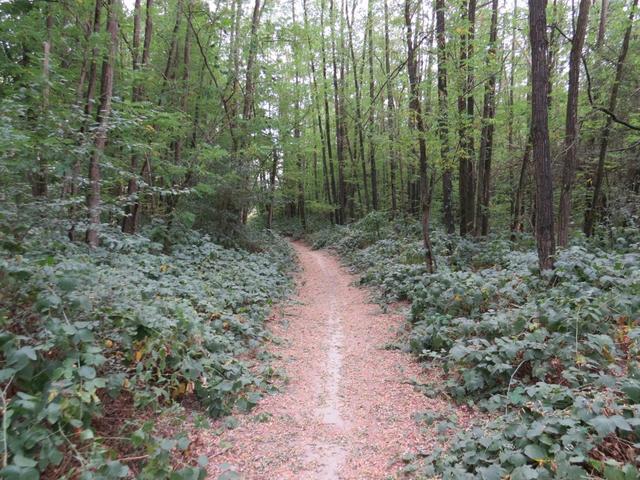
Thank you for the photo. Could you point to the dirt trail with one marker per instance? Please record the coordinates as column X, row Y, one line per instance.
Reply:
column 346, row 412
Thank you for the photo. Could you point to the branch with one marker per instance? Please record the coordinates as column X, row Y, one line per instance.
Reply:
column 604, row 110
column 224, row 100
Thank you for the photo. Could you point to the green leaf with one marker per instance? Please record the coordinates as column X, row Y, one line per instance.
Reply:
column 87, row 372
column 117, row 469
column 524, row 472
column 493, row 472
column 535, row 452
column 22, row 461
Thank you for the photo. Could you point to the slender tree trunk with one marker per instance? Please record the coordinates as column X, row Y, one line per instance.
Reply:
column 39, row 182
column 466, row 107
column 169, row 68
column 540, row 133
column 327, row 116
column 128, row 223
column 416, row 109
column 104, row 112
column 602, row 25
column 372, row 158
column 132, row 211
column 518, row 204
column 486, row 137
column 358, row 122
column 590, row 214
column 316, row 102
column 296, row 131
column 443, row 118
column 340, row 134
column 571, row 126
column 272, row 186
column 390, row 115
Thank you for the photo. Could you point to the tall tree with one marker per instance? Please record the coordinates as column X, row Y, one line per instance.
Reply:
column 338, row 80
column 372, row 157
column 300, row 163
column 486, row 136
column 571, row 125
column 390, row 113
column 358, row 100
column 540, row 133
column 590, row 213
column 416, row 110
column 327, row 115
column 443, row 122
column 132, row 210
column 104, row 112
column 466, row 111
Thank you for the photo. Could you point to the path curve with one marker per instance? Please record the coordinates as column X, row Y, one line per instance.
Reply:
column 347, row 410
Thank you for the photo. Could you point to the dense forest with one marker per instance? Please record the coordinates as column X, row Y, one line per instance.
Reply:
column 479, row 160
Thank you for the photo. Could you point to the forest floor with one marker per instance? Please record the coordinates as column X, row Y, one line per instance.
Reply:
column 347, row 410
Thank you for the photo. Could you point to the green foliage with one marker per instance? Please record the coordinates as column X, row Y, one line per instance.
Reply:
column 553, row 358
column 81, row 329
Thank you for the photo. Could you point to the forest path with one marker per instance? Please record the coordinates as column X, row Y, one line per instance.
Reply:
column 346, row 412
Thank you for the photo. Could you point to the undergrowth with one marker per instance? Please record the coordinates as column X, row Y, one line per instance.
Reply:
column 89, row 334
column 554, row 358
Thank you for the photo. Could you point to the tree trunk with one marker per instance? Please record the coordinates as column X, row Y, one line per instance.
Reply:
column 100, row 139
column 296, row 131
column 372, row 158
column 327, row 120
column 272, row 187
column 602, row 26
column 416, row 109
column 340, row 134
column 390, row 114
column 443, row 122
column 358, row 122
column 466, row 108
column 571, row 126
column 590, row 214
column 316, row 102
column 132, row 211
column 518, row 204
column 486, row 137
column 540, row 133
column 39, row 185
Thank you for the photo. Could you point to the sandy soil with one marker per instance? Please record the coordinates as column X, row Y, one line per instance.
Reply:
column 346, row 412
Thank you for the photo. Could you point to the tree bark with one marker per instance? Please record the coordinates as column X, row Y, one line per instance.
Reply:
column 416, row 109
column 316, row 102
column 466, row 107
column 486, row 137
column 390, row 114
column 104, row 112
column 327, row 116
column 337, row 103
column 443, row 118
column 132, row 210
column 571, row 125
column 540, row 133
column 590, row 214
column 372, row 158
column 602, row 25
column 297, row 133
column 358, row 122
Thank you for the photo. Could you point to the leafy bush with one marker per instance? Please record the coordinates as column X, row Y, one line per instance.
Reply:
column 83, row 329
column 552, row 357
